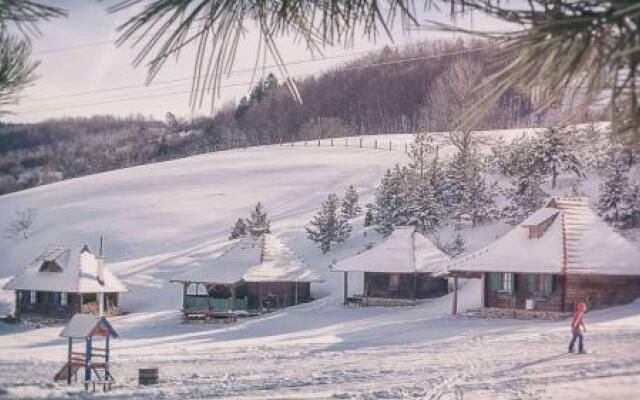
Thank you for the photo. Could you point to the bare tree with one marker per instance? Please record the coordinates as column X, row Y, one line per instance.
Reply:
column 22, row 224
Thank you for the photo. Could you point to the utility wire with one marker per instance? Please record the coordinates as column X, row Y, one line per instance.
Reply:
column 341, row 69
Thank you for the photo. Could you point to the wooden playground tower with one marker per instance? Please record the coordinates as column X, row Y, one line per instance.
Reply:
column 93, row 360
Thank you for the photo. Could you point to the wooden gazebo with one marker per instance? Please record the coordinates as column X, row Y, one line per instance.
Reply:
column 405, row 267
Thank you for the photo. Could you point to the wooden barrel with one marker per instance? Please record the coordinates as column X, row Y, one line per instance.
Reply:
column 148, row 376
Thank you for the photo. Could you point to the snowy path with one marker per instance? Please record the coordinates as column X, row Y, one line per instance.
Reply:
column 359, row 354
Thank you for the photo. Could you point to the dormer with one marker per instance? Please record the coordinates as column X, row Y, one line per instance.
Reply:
column 50, row 266
column 538, row 222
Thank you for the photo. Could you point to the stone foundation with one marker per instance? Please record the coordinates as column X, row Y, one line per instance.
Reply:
column 386, row 302
column 509, row 313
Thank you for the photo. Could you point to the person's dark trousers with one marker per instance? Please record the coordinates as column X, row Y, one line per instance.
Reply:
column 577, row 335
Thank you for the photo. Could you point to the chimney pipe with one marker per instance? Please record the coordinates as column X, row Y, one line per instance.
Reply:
column 100, row 260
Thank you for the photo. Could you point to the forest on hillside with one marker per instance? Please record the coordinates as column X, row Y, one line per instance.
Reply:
column 414, row 89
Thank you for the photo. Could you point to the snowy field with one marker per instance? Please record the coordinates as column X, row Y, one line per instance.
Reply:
column 159, row 220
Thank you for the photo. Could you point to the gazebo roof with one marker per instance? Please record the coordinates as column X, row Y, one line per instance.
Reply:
column 403, row 251
column 251, row 259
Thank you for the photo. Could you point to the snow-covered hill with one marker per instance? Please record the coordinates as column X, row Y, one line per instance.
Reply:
column 159, row 219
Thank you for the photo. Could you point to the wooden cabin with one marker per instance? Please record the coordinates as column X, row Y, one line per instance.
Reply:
column 65, row 280
column 406, row 266
column 561, row 254
column 247, row 276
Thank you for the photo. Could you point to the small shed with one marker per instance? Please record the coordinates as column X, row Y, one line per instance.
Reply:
column 559, row 255
column 405, row 266
column 92, row 359
column 247, row 275
column 64, row 280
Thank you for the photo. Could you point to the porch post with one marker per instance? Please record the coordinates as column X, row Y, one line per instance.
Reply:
column 346, row 288
column 454, row 305
column 69, row 358
column 107, row 374
column 483, row 293
column 184, row 295
column 232, row 303
column 100, row 298
column 87, row 363
column 414, row 290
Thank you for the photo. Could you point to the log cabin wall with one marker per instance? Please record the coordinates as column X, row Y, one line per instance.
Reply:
column 517, row 297
column 47, row 305
column 601, row 291
column 283, row 294
column 379, row 284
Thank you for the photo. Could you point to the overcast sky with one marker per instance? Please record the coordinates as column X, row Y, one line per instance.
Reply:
column 78, row 55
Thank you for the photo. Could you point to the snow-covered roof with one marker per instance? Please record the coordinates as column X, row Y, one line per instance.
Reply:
column 577, row 241
column 404, row 251
column 251, row 259
column 80, row 272
column 83, row 325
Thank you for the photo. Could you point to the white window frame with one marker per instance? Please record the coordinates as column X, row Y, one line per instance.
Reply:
column 506, row 282
column 196, row 289
column 64, row 300
column 33, row 297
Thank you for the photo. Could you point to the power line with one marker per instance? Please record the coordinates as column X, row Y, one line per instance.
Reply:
column 233, row 72
column 355, row 67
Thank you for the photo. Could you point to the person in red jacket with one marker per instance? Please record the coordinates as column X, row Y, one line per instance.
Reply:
column 578, row 327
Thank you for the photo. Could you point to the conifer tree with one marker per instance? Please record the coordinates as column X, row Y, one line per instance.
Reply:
column 525, row 197
column 259, row 219
column 328, row 226
column 424, row 209
column 456, row 247
column 618, row 200
column 391, row 204
column 419, row 154
column 239, row 229
column 466, row 192
column 350, row 206
column 369, row 218
column 555, row 155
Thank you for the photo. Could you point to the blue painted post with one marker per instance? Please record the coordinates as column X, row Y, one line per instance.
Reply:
column 87, row 362
column 107, row 374
column 69, row 361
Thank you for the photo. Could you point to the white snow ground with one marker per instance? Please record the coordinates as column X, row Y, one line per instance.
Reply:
column 159, row 219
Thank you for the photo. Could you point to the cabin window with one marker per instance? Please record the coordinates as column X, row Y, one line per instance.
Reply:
column 63, row 299
column 89, row 298
column 32, row 297
column 196, row 289
column 540, row 284
column 507, row 282
column 394, row 282
column 502, row 281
